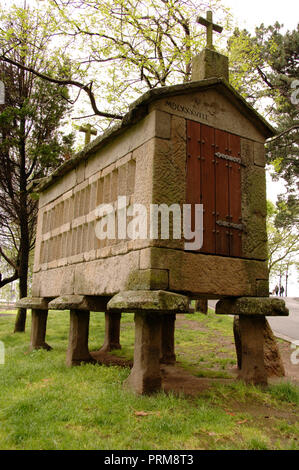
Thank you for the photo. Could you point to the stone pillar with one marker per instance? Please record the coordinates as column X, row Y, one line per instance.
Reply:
column 209, row 64
column 149, row 307
column 273, row 362
column 252, row 342
column 78, row 338
column 145, row 377
column 112, row 331
column 201, row 305
column 167, row 339
column 238, row 344
column 38, row 329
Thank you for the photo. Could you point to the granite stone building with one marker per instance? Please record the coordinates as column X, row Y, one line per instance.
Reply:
column 193, row 143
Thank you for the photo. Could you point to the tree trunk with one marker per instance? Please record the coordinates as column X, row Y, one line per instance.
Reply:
column 24, row 234
column 23, row 289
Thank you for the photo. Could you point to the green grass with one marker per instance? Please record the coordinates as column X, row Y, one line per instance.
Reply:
column 285, row 392
column 45, row 405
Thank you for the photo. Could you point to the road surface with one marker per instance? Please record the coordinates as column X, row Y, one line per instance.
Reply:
column 283, row 327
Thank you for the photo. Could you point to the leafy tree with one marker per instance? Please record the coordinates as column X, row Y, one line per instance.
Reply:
column 31, row 143
column 265, row 69
column 127, row 47
column 283, row 242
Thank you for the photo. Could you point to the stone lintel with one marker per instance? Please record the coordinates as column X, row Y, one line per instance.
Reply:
column 80, row 302
column 256, row 306
column 38, row 303
column 145, row 301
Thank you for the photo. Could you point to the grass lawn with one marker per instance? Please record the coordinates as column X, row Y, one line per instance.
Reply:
column 45, row 405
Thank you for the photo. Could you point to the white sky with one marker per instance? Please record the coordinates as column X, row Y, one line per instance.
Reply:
column 254, row 12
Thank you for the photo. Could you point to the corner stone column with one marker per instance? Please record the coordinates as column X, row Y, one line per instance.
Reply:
column 252, row 342
column 78, row 338
column 38, row 330
column 167, row 339
column 250, row 335
column 273, row 361
column 112, row 331
column 145, row 377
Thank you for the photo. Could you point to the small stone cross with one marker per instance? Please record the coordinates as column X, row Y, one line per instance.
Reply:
column 88, row 132
column 208, row 23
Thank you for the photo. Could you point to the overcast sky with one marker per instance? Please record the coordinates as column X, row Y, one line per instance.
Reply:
column 254, row 12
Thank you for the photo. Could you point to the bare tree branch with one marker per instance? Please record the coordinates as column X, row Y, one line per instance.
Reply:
column 87, row 88
column 286, row 131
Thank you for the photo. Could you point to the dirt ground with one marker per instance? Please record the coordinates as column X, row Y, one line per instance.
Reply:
column 178, row 380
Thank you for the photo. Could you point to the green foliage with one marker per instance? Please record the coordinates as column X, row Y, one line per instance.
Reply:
column 283, row 240
column 287, row 214
column 265, row 70
column 131, row 46
column 31, row 141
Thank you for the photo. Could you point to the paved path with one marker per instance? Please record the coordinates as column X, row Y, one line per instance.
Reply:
column 283, row 327
column 287, row 327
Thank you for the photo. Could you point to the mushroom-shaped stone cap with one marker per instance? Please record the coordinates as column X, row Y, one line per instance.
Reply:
column 252, row 306
column 149, row 302
column 38, row 303
column 79, row 302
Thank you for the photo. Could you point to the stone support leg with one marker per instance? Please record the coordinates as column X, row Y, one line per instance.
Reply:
column 145, row 377
column 238, row 344
column 273, row 361
column 201, row 306
column 112, row 331
column 78, row 338
column 167, row 339
column 252, row 339
column 38, row 329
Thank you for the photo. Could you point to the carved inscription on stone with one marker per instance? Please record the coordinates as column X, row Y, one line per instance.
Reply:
column 186, row 109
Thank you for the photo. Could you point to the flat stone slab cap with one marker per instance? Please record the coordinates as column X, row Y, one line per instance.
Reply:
column 147, row 301
column 38, row 303
column 252, row 306
column 79, row 302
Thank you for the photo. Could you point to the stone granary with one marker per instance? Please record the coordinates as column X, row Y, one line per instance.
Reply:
column 193, row 143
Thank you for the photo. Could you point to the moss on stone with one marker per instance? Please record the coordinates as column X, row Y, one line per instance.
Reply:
column 151, row 279
column 260, row 306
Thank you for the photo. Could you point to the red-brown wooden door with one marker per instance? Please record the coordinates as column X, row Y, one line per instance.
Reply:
column 214, row 180
column 222, row 193
column 234, row 151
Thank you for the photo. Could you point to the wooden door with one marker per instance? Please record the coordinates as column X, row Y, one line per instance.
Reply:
column 208, row 194
column 234, row 151
column 222, row 193
column 214, row 180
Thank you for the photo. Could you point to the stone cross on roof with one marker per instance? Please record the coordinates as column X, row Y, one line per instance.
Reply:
column 88, row 132
column 208, row 23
